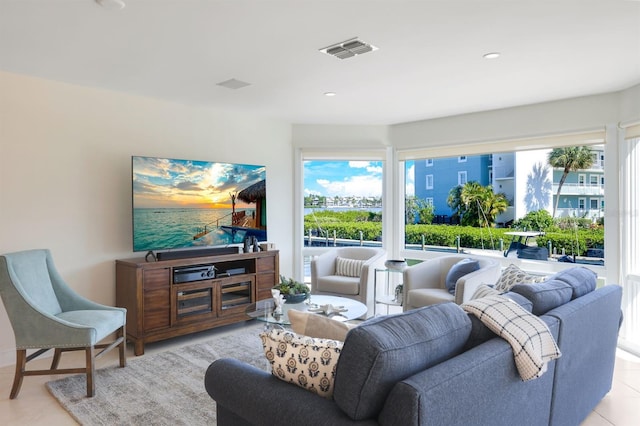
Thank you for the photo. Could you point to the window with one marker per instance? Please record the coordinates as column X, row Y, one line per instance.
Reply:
column 582, row 180
column 593, row 180
column 495, row 192
column 342, row 203
column 462, row 159
column 429, row 182
column 428, row 162
column 462, row 178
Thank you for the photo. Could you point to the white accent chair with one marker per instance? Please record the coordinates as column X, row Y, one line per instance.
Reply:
column 424, row 283
column 326, row 280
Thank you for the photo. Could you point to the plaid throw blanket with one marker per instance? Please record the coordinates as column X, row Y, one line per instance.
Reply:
column 532, row 343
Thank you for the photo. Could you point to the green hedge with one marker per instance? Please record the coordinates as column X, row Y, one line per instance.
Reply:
column 586, row 239
column 445, row 235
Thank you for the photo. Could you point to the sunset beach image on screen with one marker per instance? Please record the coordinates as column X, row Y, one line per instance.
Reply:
column 188, row 203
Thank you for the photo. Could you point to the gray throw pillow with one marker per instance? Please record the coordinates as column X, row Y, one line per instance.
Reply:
column 457, row 271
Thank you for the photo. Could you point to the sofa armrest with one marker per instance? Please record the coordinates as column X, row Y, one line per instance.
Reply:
column 478, row 387
column 367, row 276
column 423, row 275
column 323, row 265
column 262, row 399
column 467, row 285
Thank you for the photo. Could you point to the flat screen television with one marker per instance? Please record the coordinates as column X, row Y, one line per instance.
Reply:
column 181, row 204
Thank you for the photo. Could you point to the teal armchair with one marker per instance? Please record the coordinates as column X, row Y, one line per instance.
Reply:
column 45, row 313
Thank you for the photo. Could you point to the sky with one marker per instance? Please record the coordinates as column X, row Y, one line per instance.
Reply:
column 347, row 178
column 163, row 182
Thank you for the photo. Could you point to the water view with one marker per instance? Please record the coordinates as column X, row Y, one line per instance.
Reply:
column 164, row 228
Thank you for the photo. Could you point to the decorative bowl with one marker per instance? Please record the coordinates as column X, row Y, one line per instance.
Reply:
column 295, row 298
column 396, row 264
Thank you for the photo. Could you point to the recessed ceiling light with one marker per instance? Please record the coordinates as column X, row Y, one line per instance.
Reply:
column 492, row 55
column 111, row 4
column 234, row 84
column 329, row 94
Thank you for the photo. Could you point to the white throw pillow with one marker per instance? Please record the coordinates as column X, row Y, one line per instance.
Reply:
column 348, row 267
column 484, row 290
column 315, row 325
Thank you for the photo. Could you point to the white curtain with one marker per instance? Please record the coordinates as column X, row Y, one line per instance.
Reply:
column 630, row 242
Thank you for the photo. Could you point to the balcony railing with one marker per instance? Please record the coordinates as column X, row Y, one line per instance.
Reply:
column 588, row 213
column 577, row 189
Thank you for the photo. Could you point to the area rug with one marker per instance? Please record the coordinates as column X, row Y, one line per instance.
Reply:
column 160, row 389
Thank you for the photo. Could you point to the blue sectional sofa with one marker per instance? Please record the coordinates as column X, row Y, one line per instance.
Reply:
column 440, row 366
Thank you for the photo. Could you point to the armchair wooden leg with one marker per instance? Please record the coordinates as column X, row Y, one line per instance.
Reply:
column 122, row 349
column 56, row 358
column 21, row 362
column 91, row 369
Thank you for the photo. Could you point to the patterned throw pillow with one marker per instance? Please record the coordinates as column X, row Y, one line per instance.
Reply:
column 348, row 267
column 304, row 361
column 513, row 275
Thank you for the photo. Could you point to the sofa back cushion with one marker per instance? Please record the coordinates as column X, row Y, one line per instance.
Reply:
column 581, row 280
column 385, row 350
column 546, row 295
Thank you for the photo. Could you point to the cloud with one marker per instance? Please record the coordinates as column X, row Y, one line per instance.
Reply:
column 410, row 187
column 357, row 186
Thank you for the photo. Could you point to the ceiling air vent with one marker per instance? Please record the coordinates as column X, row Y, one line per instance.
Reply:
column 349, row 48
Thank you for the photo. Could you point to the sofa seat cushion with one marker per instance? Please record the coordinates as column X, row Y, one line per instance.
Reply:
column 385, row 350
column 545, row 296
column 581, row 280
column 339, row 284
column 104, row 322
column 302, row 360
column 428, row 296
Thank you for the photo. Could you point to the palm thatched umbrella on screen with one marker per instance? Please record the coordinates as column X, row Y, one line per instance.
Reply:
column 257, row 193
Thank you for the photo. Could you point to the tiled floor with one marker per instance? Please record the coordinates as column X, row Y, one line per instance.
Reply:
column 35, row 406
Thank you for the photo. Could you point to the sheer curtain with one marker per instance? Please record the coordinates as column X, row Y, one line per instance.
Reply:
column 630, row 239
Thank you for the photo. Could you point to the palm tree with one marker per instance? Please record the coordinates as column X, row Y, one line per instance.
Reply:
column 569, row 159
column 476, row 205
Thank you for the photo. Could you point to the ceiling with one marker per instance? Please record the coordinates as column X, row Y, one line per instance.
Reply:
column 429, row 61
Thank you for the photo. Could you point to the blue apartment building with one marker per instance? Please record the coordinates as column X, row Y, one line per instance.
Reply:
column 434, row 178
column 526, row 179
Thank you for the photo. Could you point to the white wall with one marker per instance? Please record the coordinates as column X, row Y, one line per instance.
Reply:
column 65, row 173
column 565, row 116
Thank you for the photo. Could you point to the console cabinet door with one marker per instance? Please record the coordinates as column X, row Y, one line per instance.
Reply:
column 157, row 298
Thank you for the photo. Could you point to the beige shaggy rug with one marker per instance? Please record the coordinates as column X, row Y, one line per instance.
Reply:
column 161, row 389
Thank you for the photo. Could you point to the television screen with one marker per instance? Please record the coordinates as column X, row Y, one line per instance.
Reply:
column 187, row 203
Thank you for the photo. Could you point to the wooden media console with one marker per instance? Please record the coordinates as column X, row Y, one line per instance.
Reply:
column 171, row 298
